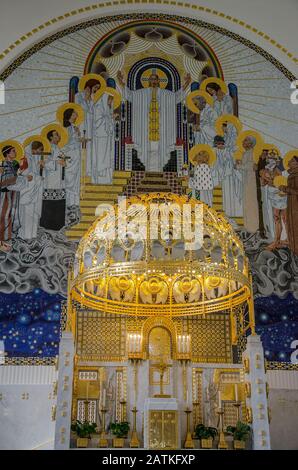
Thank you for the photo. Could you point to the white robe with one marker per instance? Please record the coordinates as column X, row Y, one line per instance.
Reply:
column 207, row 132
column 167, row 101
column 231, row 186
column 230, row 137
column 88, row 107
column 53, row 170
column 224, row 106
column 202, row 182
column 73, row 168
column 102, row 157
column 31, row 198
column 271, row 198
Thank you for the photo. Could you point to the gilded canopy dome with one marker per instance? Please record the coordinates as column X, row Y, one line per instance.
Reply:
column 160, row 254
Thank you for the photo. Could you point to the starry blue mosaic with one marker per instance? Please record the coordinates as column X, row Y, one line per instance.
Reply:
column 30, row 323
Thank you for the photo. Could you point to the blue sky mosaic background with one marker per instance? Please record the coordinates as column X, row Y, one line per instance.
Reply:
column 30, row 323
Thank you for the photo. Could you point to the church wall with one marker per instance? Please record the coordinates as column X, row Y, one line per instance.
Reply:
column 33, row 275
column 27, row 404
column 283, row 399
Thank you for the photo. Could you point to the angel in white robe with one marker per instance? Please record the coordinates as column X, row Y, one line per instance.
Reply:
column 204, row 133
column 73, row 150
column 230, row 179
column 86, row 100
column 223, row 104
column 102, row 155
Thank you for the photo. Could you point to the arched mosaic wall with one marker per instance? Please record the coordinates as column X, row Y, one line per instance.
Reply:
column 33, row 275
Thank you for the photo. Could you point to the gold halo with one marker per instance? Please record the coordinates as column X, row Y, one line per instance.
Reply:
column 38, row 138
column 212, row 282
column 14, row 143
column 92, row 76
column 227, row 118
column 116, row 95
column 61, row 130
column 76, row 107
column 257, row 150
column 154, row 285
column 219, row 82
column 161, row 75
column 271, row 147
column 124, row 283
column 288, row 156
column 280, row 180
column 199, row 148
column 194, row 94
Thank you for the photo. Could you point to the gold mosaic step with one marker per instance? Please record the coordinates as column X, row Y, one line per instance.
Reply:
column 93, row 196
column 93, row 188
column 99, row 195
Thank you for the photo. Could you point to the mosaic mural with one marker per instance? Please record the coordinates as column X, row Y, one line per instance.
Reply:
column 126, row 104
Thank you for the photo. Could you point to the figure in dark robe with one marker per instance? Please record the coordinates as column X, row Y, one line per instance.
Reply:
column 292, row 209
column 9, row 199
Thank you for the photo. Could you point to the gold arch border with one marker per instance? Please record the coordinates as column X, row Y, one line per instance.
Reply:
column 161, row 322
column 173, row 3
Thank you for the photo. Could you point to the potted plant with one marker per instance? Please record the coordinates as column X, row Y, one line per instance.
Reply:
column 206, row 434
column 120, row 430
column 240, row 434
column 83, row 430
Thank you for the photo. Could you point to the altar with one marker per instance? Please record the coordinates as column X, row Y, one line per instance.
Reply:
column 161, row 424
column 161, row 345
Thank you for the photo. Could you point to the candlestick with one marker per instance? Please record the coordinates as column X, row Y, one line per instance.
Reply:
column 222, row 444
column 188, row 443
column 219, row 399
column 134, row 441
column 237, row 404
column 236, row 392
column 122, row 409
column 103, row 442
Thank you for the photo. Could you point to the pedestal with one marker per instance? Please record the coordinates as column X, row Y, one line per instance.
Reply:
column 256, row 403
column 64, row 391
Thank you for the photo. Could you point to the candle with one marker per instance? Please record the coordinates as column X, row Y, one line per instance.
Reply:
column 104, row 398
column 236, row 392
column 219, row 399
